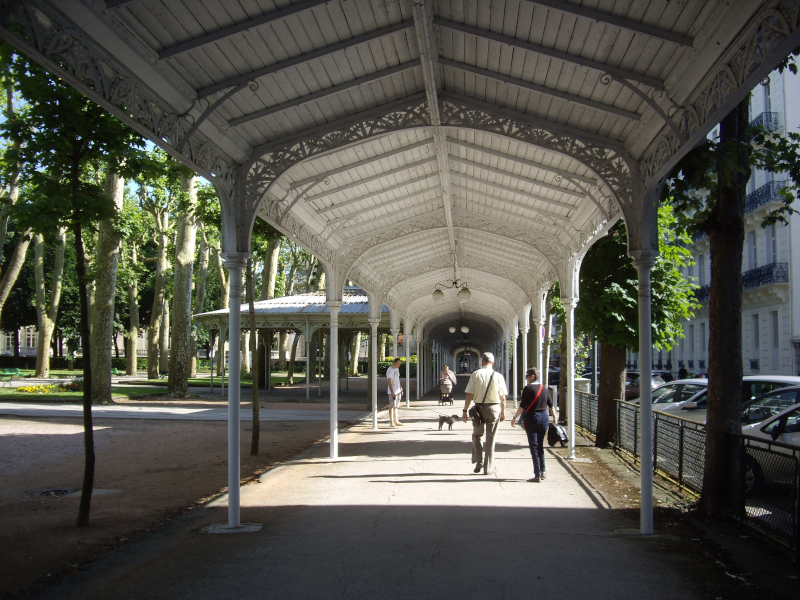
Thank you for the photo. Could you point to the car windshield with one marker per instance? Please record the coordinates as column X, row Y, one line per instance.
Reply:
column 768, row 406
column 665, row 393
column 790, row 423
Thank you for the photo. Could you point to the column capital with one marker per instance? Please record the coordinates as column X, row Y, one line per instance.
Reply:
column 334, row 306
column 374, row 323
column 395, row 331
column 646, row 257
column 524, row 329
column 235, row 260
column 569, row 303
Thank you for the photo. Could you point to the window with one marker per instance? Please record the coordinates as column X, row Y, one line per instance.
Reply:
column 772, row 245
column 752, row 252
column 754, row 338
column 701, row 269
column 691, row 341
column 767, row 101
column 690, row 271
column 776, row 354
column 702, row 339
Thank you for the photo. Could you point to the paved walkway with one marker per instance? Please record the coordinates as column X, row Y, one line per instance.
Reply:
column 168, row 412
column 400, row 515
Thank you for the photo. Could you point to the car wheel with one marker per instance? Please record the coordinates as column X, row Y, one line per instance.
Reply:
column 753, row 476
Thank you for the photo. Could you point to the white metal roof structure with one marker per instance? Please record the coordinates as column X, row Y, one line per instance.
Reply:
column 400, row 140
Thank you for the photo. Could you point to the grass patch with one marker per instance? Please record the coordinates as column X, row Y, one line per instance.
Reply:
column 116, row 392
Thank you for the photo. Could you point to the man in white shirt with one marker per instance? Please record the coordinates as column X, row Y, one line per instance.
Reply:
column 488, row 388
column 395, row 391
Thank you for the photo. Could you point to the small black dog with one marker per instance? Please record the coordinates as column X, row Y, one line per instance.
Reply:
column 449, row 420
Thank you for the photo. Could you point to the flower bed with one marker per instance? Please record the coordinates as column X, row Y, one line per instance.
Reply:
column 76, row 385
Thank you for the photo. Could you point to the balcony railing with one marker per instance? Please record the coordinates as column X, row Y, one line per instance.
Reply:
column 764, row 195
column 767, row 120
column 765, row 275
column 703, row 293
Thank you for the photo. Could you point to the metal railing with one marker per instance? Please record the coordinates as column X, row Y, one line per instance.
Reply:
column 767, row 487
column 767, row 120
column 765, row 275
column 703, row 293
column 764, row 195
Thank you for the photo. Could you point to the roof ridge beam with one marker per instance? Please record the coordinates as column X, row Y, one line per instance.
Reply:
column 524, row 161
column 504, row 173
column 345, row 85
column 512, row 190
column 219, row 34
column 372, row 178
column 301, row 58
column 541, row 89
column 360, row 163
column 621, row 22
column 428, row 52
column 551, row 52
column 383, row 191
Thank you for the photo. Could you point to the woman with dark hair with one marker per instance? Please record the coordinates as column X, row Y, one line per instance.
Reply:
column 534, row 405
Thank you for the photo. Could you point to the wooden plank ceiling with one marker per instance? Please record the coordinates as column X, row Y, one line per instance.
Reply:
column 411, row 204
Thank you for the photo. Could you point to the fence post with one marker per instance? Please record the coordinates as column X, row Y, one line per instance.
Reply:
column 655, row 442
column 681, row 430
column 617, row 441
column 635, row 433
column 796, row 502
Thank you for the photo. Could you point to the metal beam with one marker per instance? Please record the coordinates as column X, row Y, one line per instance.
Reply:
column 512, row 190
column 428, row 51
column 383, row 191
column 551, row 52
column 347, row 85
column 337, row 125
column 499, row 111
column 263, row 19
column 390, row 226
column 543, row 212
column 378, row 206
column 291, row 62
column 360, row 163
column 522, row 178
column 497, row 211
column 541, row 89
column 524, row 161
column 621, row 22
column 365, row 180
column 435, row 201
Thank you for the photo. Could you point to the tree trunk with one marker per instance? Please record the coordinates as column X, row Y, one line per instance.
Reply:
column 131, row 354
column 11, row 272
column 283, row 343
column 290, row 368
column 199, row 295
column 159, row 290
column 88, row 429
column 253, row 348
column 180, row 356
column 725, row 227
column 163, row 345
column 105, row 288
column 224, row 285
column 270, row 273
column 548, row 328
column 611, row 386
column 47, row 312
column 381, row 347
column 354, row 350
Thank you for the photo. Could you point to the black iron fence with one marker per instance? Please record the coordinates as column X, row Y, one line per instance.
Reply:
column 767, row 487
column 765, row 274
column 767, row 120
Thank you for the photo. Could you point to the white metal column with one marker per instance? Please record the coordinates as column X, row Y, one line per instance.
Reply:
column 568, row 363
column 643, row 267
column 515, row 369
column 235, row 264
column 334, row 306
column 373, row 370
column 308, row 368
column 395, row 333
column 539, row 347
column 406, row 343
column 419, row 366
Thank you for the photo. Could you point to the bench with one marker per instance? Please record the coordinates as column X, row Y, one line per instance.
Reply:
column 163, row 375
column 10, row 372
column 5, row 378
column 115, row 371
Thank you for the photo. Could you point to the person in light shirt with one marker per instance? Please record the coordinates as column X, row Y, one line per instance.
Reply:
column 488, row 388
column 395, row 391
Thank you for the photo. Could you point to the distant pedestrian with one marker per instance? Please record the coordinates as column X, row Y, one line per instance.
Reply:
column 534, row 406
column 395, row 391
column 489, row 389
column 683, row 373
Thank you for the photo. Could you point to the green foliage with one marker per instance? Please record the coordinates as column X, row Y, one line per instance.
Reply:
column 609, row 288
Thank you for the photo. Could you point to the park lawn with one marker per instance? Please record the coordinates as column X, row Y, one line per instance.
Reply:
column 205, row 381
column 11, row 395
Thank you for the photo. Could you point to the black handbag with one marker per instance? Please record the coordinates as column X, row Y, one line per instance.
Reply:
column 474, row 411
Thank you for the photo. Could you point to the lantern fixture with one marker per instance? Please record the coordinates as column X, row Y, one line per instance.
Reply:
column 463, row 294
column 452, row 329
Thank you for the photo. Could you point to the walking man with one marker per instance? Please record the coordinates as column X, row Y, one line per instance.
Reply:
column 395, row 391
column 488, row 388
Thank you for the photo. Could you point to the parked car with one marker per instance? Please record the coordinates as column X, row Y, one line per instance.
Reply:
column 769, row 405
column 632, row 384
column 761, row 467
column 678, row 392
column 664, row 374
column 753, row 386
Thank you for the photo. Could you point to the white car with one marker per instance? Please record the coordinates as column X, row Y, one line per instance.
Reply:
column 762, row 467
column 753, row 386
column 677, row 392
